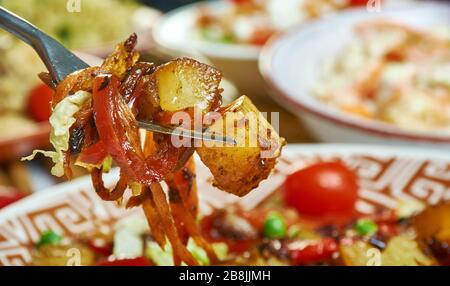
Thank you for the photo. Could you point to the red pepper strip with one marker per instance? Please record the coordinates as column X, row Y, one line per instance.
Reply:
column 138, row 261
column 100, row 249
column 93, row 155
column 117, row 126
column 314, row 252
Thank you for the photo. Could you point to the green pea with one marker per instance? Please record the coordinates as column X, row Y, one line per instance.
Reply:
column 366, row 227
column 274, row 226
column 48, row 238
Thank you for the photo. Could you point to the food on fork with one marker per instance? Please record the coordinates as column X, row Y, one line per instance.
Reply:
column 94, row 119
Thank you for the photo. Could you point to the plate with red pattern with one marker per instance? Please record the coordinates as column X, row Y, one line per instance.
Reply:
column 386, row 175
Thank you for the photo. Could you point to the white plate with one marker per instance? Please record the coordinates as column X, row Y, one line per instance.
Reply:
column 386, row 175
column 291, row 62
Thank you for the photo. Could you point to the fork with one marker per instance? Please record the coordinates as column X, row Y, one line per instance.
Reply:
column 60, row 62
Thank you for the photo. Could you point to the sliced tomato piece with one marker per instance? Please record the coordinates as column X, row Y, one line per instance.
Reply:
column 93, row 155
column 322, row 189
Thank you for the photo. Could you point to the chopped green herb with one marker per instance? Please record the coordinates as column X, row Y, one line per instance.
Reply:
column 49, row 238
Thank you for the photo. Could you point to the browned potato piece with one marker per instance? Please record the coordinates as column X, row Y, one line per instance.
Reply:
column 62, row 255
column 401, row 250
column 434, row 223
column 239, row 169
column 184, row 83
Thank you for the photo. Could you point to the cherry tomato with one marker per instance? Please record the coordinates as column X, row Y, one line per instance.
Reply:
column 9, row 196
column 138, row 261
column 313, row 252
column 320, row 189
column 39, row 102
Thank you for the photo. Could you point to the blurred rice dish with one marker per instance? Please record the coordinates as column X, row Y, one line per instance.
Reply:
column 98, row 23
column 394, row 74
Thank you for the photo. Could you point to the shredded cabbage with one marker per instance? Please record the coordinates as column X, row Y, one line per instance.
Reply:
column 163, row 257
column 61, row 120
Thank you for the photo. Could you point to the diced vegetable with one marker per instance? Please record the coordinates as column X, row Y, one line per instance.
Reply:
column 137, row 261
column 434, row 222
column 407, row 208
column 274, row 226
column 49, row 238
column 313, row 251
column 163, row 257
column 239, row 169
column 39, row 105
column 403, row 250
column 106, row 166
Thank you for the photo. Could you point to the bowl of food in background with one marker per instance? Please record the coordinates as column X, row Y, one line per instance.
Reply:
column 24, row 99
column 368, row 77
column 385, row 206
column 231, row 33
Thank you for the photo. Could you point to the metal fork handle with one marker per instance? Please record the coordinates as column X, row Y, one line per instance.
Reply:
column 49, row 50
column 18, row 26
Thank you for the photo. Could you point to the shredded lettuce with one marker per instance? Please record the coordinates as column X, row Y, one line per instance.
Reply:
column 163, row 257
column 61, row 120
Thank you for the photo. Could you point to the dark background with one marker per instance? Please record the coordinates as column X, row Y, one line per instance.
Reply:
column 167, row 5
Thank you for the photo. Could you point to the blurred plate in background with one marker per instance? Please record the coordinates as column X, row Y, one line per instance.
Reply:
column 291, row 63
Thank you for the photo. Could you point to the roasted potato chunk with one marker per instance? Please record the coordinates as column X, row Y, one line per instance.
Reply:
column 63, row 255
column 434, row 223
column 401, row 250
column 239, row 169
column 184, row 83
